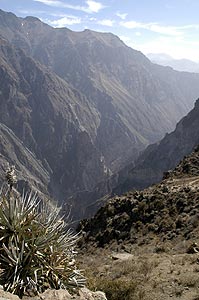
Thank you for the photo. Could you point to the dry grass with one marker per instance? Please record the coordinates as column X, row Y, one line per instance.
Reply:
column 149, row 276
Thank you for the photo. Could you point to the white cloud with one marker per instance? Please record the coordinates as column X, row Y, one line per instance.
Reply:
column 92, row 19
column 106, row 22
column 65, row 21
column 94, row 6
column 31, row 12
column 91, row 7
column 169, row 45
column 155, row 27
column 50, row 2
column 126, row 39
column 167, row 30
column 190, row 26
column 177, row 41
column 121, row 15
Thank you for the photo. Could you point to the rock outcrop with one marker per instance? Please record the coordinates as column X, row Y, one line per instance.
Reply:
column 84, row 294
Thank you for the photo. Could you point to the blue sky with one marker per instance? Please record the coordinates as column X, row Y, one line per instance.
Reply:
column 151, row 26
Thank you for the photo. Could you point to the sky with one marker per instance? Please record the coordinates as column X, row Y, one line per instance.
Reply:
column 151, row 26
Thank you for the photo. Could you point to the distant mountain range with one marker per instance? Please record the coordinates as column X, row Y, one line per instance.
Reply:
column 83, row 105
column 184, row 65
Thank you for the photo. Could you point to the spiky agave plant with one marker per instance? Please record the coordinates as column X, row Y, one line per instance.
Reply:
column 36, row 248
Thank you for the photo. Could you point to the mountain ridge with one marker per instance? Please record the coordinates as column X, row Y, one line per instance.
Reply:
column 84, row 103
column 13, row 96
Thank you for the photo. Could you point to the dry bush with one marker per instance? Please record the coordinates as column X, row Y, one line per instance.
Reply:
column 118, row 289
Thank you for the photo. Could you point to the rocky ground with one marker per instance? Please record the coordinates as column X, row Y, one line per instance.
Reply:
column 155, row 272
column 144, row 244
column 84, row 294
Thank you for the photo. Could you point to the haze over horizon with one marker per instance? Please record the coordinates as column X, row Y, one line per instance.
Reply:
column 169, row 27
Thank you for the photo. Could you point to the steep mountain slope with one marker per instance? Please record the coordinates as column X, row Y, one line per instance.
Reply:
column 52, row 119
column 164, row 155
column 84, row 103
column 131, row 95
column 168, row 210
column 30, row 171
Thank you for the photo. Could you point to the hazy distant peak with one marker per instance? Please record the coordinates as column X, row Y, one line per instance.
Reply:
column 184, row 64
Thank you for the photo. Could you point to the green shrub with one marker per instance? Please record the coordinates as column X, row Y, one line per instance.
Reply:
column 36, row 248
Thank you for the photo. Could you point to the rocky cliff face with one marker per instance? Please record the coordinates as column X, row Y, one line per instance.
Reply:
column 52, row 119
column 164, row 155
column 30, row 171
column 84, row 103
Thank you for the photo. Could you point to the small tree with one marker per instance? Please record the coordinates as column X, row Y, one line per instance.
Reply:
column 36, row 248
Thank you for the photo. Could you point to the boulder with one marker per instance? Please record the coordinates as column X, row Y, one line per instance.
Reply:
column 84, row 294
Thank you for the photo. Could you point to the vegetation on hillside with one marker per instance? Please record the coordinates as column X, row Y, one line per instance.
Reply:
column 143, row 245
column 169, row 210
